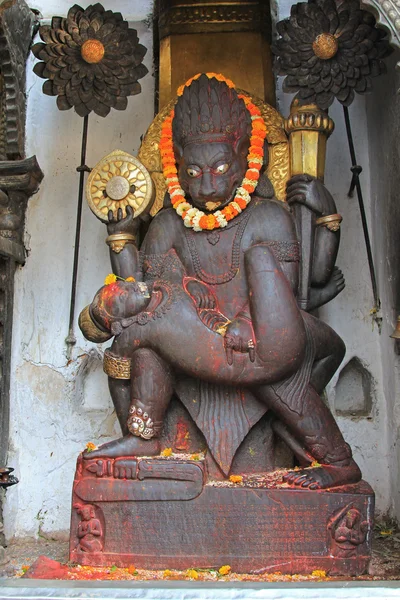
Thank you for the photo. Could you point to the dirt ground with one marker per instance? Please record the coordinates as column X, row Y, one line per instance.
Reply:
column 385, row 563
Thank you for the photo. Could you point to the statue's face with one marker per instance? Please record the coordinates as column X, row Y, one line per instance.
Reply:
column 86, row 513
column 210, row 172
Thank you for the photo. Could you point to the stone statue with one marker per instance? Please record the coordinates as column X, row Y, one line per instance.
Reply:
column 209, row 306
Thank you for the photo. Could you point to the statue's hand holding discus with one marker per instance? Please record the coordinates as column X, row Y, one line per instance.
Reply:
column 120, row 224
column 311, row 192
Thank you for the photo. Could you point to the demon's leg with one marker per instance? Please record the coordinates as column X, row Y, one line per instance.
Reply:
column 150, row 394
column 277, row 321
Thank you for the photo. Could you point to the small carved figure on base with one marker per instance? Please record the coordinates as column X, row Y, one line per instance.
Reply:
column 90, row 532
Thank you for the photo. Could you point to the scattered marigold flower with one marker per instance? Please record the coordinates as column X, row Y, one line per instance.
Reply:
column 111, row 278
column 236, row 478
column 25, row 568
column 192, row 574
column 195, row 457
column 315, row 463
column 224, row 570
column 90, row 447
column 167, row 573
column 130, row 279
column 318, row 573
column 166, row 452
column 132, row 570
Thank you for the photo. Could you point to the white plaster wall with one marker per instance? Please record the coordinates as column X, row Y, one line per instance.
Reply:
column 58, row 406
column 383, row 112
column 349, row 313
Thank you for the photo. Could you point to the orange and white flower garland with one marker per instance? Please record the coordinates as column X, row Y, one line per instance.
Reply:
column 194, row 217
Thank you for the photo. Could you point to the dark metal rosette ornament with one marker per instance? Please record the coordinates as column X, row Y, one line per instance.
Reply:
column 329, row 49
column 91, row 59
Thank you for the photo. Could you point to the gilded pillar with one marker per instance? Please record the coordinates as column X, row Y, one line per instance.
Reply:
column 308, row 128
column 229, row 37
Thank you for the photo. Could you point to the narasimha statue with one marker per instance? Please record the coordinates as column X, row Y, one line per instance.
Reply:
column 209, row 305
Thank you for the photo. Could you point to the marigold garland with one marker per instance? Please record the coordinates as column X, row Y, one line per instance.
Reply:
column 193, row 217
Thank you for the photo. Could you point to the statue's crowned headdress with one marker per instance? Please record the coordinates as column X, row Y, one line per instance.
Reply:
column 209, row 107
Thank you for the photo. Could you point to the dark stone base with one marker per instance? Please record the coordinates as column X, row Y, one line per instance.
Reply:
column 162, row 514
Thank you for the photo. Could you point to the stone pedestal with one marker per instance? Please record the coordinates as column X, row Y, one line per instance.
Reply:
column 160, row 513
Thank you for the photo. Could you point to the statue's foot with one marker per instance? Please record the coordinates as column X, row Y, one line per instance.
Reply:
column 326, row 476
column 129, row 445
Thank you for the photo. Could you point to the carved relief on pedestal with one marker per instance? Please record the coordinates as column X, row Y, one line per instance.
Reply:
column 348, row 530
column 90, row 529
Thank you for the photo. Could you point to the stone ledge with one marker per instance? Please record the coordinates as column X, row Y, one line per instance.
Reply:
column 57, row 590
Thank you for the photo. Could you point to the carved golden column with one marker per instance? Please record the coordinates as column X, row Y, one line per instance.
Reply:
column 229, row 37
column 308, row 128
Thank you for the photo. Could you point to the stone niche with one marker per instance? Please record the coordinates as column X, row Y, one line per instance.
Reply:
column 354, row 390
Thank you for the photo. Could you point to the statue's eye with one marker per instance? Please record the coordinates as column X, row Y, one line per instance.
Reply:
column 192, row 172
column 221, row 169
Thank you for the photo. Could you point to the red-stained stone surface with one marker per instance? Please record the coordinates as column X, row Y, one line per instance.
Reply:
column 164, row 515
column 46, row 568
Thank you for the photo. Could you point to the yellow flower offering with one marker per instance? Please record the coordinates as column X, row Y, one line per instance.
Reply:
column 318, row 573
column 167, row 573
column 90, row 447
column 224, row 570
column 111, row 278
column 192, row 574
column 166, row 452
column 236, row 478
column 131, row 279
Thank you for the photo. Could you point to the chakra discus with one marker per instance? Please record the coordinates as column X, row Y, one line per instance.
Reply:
column 117, row 181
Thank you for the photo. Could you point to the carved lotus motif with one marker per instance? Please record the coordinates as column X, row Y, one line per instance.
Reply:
column 329, row 49
column 91, row 59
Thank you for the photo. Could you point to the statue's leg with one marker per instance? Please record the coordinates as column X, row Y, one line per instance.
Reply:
column 318, row 433
column 150, row 394
column 277, row 321
column 120, row 390
column 329, row 352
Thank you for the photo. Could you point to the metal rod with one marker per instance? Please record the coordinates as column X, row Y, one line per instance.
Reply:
column 70, row 340
column 356, row 184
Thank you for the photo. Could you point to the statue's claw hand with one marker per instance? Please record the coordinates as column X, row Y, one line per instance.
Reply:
column 239, row 338
column 121, row 224
column 304, row 189
column 338, row 280
column 320, row 296
column 229, row 343
column 201, row 294
column 252, row 350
